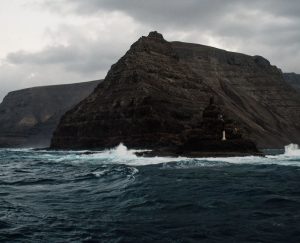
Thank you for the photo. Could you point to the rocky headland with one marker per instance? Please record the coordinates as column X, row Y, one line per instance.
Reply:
column 28, row 117
column 157, row 95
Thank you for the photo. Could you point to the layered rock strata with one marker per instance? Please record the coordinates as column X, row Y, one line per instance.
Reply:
column 157, row 92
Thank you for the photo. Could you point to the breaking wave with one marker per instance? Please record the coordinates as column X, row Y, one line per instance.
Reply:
column 292, row 150
column 122, row 155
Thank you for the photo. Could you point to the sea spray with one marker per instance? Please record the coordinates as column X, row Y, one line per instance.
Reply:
column 123, row 156
column 292, row 150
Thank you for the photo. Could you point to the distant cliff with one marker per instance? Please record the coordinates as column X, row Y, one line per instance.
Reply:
column 28, row 117
column 156, row 94
column 293, row 79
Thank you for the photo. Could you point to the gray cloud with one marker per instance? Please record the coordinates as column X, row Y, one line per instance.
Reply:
column 80, row 53
column 76, row 59
column 76, row 53
column 269, row 28
column 174, row 12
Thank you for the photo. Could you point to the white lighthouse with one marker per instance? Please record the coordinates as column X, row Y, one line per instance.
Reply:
column 224, row 136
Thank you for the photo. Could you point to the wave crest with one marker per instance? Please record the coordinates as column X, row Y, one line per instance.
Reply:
column 292, row 150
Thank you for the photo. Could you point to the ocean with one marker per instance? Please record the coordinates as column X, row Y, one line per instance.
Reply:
column 115, row 196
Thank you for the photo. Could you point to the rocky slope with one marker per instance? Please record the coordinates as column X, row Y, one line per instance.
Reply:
column 155, row 95
column 293, row 79
column 28, row 117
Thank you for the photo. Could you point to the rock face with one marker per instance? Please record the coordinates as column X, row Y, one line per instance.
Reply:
column 155, row 95
column 217, row 135
column 28, row 117
column 293, row 79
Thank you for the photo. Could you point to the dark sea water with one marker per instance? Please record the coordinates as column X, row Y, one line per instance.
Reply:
column 114, row 196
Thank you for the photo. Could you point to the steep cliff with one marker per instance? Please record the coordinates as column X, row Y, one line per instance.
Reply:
column 28, row 117
column 156, row 93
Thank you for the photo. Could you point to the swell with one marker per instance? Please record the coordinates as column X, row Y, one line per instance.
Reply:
column 112, row 196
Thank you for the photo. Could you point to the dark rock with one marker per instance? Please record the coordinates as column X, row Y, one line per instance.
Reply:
column 156, row 35
column 208, row 139
column 261, row 61
column 28, row 117
column 293, row 79
column 215, row 122
column 155, row 96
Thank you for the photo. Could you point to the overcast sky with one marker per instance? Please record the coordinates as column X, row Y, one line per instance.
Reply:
column 46, row 42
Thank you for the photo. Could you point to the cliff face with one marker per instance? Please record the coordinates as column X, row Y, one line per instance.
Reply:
column 28, row 117
column 293, row 79
column 249, row 88
column 155, row 95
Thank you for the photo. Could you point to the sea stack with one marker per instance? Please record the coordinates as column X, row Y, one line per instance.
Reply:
column 158, row 93
column 217, row 135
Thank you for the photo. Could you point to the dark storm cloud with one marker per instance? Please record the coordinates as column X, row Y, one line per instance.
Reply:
column 265, row 27
column 269, row 28
column 168, row 12
column 182, row 12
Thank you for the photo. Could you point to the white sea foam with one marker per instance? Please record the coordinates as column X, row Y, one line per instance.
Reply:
column 291, row 157
column 118, row 155
column 122, row 155
column 292, row 150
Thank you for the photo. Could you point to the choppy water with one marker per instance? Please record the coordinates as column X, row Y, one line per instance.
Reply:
column 114, row 196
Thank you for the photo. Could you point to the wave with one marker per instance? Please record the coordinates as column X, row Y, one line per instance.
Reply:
column 118, row 155
column 292, row 150
column 122, row 155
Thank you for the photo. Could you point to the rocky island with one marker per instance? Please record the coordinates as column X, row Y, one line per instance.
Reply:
column 157, row 97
